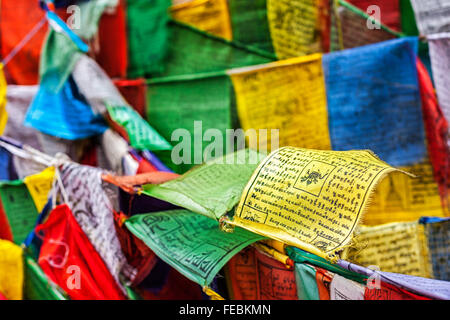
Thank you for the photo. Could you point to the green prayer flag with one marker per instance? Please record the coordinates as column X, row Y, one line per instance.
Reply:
column 250, row 24
column 147, row 36
column 193, row 51
column 212, row 189
column 409, row 28
column 300, row 256
column 19, row 208
column 142, row 136
column 192, row 244
column 58, row 58
column 305, row 279
column 408, row 19
column 185, row 108
column 60, row 54
column 37, row 286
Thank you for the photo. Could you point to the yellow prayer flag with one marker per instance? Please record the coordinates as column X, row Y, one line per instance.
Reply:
column 287, row 95
column 39, row 185
column 276, row 245
column 277, row 255
column 11, row 270
column 393, row 247
column 401, row 199
column 208, row 15
column 293, row 27
column 3, row 113
column 311, row 199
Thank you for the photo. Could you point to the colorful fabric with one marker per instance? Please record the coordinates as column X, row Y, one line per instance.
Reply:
column 297, row 208
column 192, row 51
column 140, row 134
column 63, row 48
column 275, row 280
column 279, row 96
column 95, row 85
column 21, row 16
column 408, row 20
column 92, row 11
column 212, row 189
column 241, row 275
column 394, row 247
column 39, row 186
column 305, row 278
column 432, row 16
column 19, row 100
column 11, row 270
column 68, row 258
column 303, row 257
column 38, row 286
column 25, row 167
column 440, row 54
column 323, row 279
column 19, row 209
column 349, row 29
column 431, row 288
column 436, row 126
column 386, row 113
column 389, row 11
column 145, row 166
column 60, row 26
column 182, row 112
column 390, row 292
column 147, row 23
column 294, row 27
column 402, row 198
column 93, row 202
column 249, row 23
column 438, row 240
column 65, row 114
column 253, row 275
column 344, row 289
column 57, row 60
column 137, row 253
column 211, row 16
column 113, row 149
column 134, row 91
column 105, row 98
column 205, row 248
column 112, row 33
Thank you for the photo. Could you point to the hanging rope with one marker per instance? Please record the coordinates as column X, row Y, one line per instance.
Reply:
column 24, row 41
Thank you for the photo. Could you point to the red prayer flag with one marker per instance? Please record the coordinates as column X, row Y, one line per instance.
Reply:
column 390, row 292
column 257, row 276
column 113, row 52
column 69, row 259
column 436, row 128
column 389, row 11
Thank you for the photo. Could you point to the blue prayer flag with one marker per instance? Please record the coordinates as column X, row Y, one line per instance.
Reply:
column 374, row 101
column 64, row 114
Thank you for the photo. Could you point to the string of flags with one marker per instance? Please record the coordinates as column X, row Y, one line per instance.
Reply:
column 224, row 149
